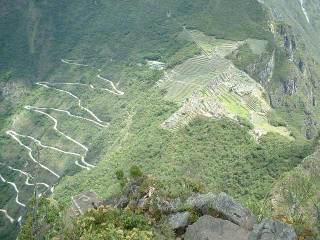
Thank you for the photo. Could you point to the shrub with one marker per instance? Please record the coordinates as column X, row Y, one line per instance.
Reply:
column 110, row 223
column 135, row 172
column 245, row 122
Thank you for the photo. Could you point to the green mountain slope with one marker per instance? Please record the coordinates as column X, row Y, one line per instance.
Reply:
column 77, row 87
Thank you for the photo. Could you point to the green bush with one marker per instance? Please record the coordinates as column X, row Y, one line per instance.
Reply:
column 110, row 224
column 275, row 120
column 245, row 122
column 243, row 57
column 135, row 172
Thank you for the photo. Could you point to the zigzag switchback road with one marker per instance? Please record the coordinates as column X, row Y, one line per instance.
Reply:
column 39, row 110
column 25, row 174
column 7, row 215
column 45, row 111
column 15, row 188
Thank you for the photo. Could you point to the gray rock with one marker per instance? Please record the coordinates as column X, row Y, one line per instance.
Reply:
column 142, row 204
column 210, row 228
column 132, row 187
column 201, row 203
column 233, row 211
column 179, row 220
column 273, row 230
column 110, row 201
column 122, row 202
column 163, row 205
column 175, row 205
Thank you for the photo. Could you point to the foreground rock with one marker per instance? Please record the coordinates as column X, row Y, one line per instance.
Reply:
column 201, row 203
column 221, row 217
column 210, row 228
column 273, row 230
column 179, row 220
column 234, row 211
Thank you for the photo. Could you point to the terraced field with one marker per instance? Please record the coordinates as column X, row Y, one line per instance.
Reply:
column 212, row 86
column 192, row 75
column 53, row 136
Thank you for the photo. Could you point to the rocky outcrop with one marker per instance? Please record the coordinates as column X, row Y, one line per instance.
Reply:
column 179, row 220
column 233, row 211
column 266, row 74
column 269, row 230
column 289, row 41
column 82, row 202
column 201, row 203
column 210, row 228
column 200, row 216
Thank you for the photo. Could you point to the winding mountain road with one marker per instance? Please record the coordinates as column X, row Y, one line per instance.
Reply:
column 116, row 91
column 39, row 110
column 302, row 3
column 7, row 215
column 25, row 174
column 12, row 134
column 44, row 84
column 15, row 188
column 44, row 112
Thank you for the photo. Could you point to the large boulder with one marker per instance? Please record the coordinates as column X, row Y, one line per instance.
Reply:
column 273, row 230
column 233, row 211
column 179, row 220
column 210, row 228
column 201, row 203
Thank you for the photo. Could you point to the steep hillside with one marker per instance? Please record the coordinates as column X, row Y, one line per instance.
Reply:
column 180, row 88
column 295, row 196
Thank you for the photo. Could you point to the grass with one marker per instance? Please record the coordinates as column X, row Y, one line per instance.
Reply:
column 233, row 106
column 261, row 123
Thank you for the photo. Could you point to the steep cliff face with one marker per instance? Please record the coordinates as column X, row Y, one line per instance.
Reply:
column 302, row 16
column 290, row 70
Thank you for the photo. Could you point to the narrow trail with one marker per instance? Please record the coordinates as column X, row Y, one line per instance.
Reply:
column 7, row 215
column 196, row 42
column 25, row 174
column 15, row 188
